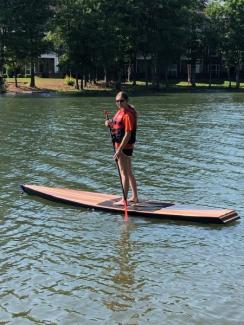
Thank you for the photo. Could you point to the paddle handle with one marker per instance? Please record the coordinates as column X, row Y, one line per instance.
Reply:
column 107, row 118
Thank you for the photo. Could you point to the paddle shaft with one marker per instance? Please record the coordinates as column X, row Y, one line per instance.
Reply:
column 117, row 164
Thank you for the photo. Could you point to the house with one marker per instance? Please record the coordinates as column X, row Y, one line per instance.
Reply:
column 46, row 66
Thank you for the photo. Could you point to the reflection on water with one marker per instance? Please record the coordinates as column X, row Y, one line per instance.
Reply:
column 124, row 277
column 64, row 265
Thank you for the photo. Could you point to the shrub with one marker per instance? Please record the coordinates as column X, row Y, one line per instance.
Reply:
column 69, row 80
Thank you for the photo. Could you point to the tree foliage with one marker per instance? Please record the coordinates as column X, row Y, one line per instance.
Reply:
column 25, row 24
column 100, row 37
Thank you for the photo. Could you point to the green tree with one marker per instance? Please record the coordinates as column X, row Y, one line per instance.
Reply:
column 233, row 28
column 213, row 35
column 75, row 36
column 30, row 26
column 109, row 39
column 15, row 53
column 164, row 34
column 227, row 28
column 5, row 23
column 117, row 36
column 195, row 37
column 101, row 34
column 174, row 34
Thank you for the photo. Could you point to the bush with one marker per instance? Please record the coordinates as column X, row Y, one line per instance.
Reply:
column 69, row 80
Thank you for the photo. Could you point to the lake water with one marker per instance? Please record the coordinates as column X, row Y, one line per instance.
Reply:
column 65, row 265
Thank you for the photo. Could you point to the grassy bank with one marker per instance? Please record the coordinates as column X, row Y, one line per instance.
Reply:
column 58, row 85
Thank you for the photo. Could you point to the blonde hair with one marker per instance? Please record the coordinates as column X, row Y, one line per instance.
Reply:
column 123, row 94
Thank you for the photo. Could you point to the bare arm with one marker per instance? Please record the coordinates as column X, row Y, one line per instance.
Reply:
column 125, row 140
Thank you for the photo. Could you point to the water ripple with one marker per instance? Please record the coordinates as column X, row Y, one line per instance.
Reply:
column 64, row 265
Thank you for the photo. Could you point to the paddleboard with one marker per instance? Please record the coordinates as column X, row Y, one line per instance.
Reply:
column 146, row 208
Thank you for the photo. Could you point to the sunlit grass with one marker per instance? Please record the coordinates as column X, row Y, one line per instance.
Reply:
column 53, row 84
column 223, row 85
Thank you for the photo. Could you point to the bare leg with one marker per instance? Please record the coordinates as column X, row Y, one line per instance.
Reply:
column 132, row 180
column 128, row 178
column 123, row 166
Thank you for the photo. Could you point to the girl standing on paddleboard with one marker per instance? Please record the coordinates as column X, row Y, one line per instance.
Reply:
column 123, row 131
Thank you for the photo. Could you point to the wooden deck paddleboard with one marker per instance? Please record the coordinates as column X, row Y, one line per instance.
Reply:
column 152, row 209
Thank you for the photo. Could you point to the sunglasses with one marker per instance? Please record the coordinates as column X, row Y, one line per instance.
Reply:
column 120, row 101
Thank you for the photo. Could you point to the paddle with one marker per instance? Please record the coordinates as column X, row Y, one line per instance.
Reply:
column 117, row 164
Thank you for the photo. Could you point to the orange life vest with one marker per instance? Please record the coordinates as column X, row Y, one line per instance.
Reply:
column 118, row 126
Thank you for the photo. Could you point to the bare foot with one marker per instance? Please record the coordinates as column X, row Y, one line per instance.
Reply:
column 119, row 203
column 133, row 200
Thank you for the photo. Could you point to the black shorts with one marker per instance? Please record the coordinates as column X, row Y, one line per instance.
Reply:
column 128, row 152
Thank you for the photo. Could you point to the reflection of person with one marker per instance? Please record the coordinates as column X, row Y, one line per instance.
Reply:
column 124, row 276
column 123, row 130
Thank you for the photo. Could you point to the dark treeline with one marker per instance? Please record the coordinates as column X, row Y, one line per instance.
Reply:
column 101, row 39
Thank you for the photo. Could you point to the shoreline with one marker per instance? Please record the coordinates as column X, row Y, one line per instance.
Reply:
column 56, row 87
column 111, row 93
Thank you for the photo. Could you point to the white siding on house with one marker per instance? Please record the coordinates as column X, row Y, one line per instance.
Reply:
column 52, row 56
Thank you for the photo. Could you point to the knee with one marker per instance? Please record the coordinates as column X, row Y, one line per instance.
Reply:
column 126, row 175
column 130, row 173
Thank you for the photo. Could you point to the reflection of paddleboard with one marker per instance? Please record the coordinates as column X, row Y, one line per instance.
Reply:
column 152, row 209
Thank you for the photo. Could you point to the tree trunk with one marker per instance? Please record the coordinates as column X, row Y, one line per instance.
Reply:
column 105, row 77
column 84, row 80
column 32, row 82
column 119, row 80
column 16, row 80
column 155, row 79
column 193, row 73
column 95, row 76
column 134, row 70
column 146, row 70
column 188, row 74
column 229, row 78
column 1, row 83
column 237, row 76
column 2, row 59
column 81, row 83
column 129, row 70
column 210, row 77
column 77, row 82
column 166, row 77
column 133, row 75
